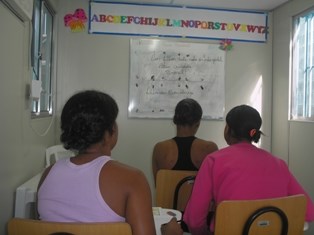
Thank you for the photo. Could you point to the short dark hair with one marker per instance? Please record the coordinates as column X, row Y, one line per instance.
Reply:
column 245, row 123
column 187, row 112
column 85, row 118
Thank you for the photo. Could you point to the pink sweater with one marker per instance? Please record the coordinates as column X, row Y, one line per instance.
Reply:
column 70, row 193
column 239, row 172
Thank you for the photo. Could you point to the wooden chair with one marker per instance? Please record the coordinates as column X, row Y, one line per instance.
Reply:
column 280, row 216
column 166, row 183
column 185, row 184
column 17, row 226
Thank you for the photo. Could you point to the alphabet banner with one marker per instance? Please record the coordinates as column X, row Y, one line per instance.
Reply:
column 176, row 21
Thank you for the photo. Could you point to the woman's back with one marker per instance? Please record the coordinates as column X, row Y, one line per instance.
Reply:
column 243, row 171
column 185, row 151
column 71, row 193
column 102, row 190
column 240, row 171
column 166, row 154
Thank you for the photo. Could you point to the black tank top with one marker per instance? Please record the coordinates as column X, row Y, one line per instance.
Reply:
column 184, row 161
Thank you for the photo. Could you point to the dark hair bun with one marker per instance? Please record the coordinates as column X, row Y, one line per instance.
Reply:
column 187, row 112
column 85, row 118
column 245, row 123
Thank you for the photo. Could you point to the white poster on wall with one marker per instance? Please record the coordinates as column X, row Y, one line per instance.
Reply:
column 163, row 72
column 175, row 21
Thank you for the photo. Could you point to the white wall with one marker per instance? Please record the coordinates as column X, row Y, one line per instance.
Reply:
column 291, row 140
column 22, row 146
column 88, row 61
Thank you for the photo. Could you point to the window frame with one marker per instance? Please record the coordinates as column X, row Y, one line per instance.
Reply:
column 302, row 73
column 43, row 107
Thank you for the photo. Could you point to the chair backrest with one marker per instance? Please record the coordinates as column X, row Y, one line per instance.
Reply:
column 56, row 152
column 182, row 192
column 18, row 226
column 261, row 217
column 166, row 183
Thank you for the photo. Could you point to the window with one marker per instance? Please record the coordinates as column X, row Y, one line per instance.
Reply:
column 42, row 57
column 302, row 83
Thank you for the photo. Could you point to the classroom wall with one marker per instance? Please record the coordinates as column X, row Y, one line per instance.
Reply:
column 292, row 140
column 23, row 144
column 88, row 61
column 102, row 62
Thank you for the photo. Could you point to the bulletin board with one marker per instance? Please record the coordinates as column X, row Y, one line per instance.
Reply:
column 163, row 72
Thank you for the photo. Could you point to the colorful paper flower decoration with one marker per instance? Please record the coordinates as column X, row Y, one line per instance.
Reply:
column 226, row 45
column 76, row 21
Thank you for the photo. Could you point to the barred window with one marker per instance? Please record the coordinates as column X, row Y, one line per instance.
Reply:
column 42, row 38
column 302, row 83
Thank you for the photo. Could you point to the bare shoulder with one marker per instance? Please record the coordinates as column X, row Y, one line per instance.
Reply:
column 124, row 173
column 200, row 149
column 206, row 145
column 119, row 166
column 163, row 148
column 123, row 180
column 123, row 188
column 163, row 144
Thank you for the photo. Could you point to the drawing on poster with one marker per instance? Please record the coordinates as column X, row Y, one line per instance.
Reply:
column 164, row 72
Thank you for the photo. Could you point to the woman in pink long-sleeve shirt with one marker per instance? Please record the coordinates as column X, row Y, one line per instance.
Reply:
column 239, row 172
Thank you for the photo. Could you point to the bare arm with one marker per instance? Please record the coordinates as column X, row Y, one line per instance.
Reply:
column 171, row 228
column 156, row 153
column 164, row 156
column 139, row 206
column 43, row 177
column 126, row 190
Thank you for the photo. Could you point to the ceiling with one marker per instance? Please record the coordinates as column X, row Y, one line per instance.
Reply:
column 255, row 5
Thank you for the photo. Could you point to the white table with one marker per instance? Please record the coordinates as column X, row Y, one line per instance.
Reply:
column 25, row 196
